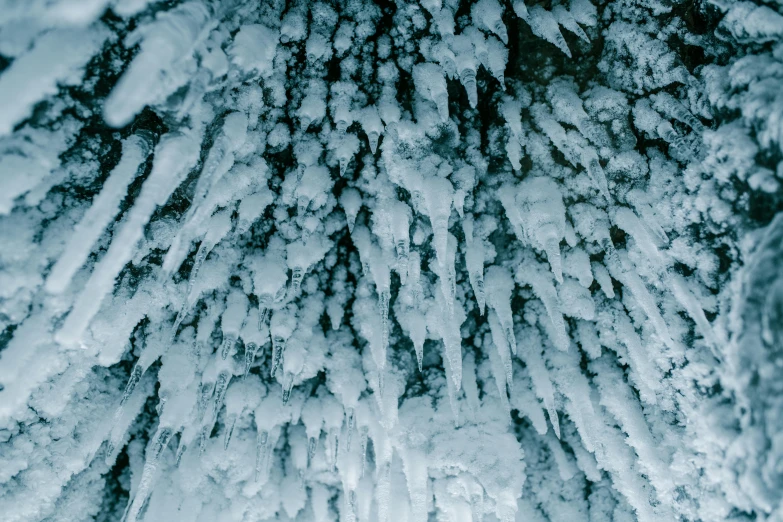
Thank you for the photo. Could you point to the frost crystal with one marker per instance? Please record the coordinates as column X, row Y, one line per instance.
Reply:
column 454, row 260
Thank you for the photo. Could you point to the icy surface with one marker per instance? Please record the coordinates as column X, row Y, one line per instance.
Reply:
column 453, row 260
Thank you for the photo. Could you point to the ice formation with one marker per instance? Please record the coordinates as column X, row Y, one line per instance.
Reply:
column 452, row 260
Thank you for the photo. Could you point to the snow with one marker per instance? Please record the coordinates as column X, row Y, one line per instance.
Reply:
column 442, row 260
column 57, row 58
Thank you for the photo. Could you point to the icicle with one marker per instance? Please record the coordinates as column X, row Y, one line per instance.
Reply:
column 465, row 182
column 240, row 397
column 264, row 308
column 125, row 415
column 351, row 201
column 629, row 222
column 401, row 248
column 364, row 435
column 196, row 91
column 312, row 418
column 310, row 104
column 468, row 79
column 595, row 171
column 479, row 44
column 230, row 423
column 201, row 256
column 288, row 385
column 251, row 349
column 567, row 20
column 430, row 83
column 343, row 147
column 363, row 242
column 232, row 319
column 480, row 291
column 278, row 346
column 155, row 347
column 671, row 107
column 438, row 193
column 499, row 286
column 603, row 278
column 334, row 438
column 205, row 394
column 416, row 324
column 638, row 199
column 181, row 449
column 369, row 322
column 159, row 443
column 373, row 138
column 381, row 275
column 545, row 290
column 136, row 374
column 552, row 248
column 531, row 355
column 544, row 218
column 261, row 453
column 161, row 405
column 281, row 327
column 507, row 195
column 227, row 345
column 219, row 227
column 474, row 261
column 447, row 325
column 447, row 275
column 488, row 14
column 343, row 165
column 297, row 274
column 183, row 312
column 251, row 208
column 312, row 445
column 500, row 340
column 400, row 217
column 349, row 429
column 301, row 257
column 174, row 157
column 350, row 473
column 383, row 308
column 135, row 149
column 205, row 209
column 224, row 378
column 648, row 374
column 164, row 42
column 313, row 188
column 497, row 58
column 637, row 288
column 293, row 365
column 691, row 305
column 414, row 275
column 475, row 493
column 203, row 438
column 543, row 24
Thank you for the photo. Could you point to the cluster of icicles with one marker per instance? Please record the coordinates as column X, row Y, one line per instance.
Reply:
column 534, row 207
